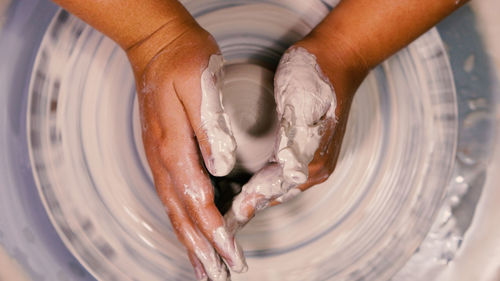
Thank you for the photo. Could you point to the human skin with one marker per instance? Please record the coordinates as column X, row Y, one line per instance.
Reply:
column 168, row 52
column 355, row 37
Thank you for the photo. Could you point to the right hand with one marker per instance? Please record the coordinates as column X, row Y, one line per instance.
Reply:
column 169, row 72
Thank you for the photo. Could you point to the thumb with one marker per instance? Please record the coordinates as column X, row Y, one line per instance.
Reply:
column 305, row 98
column 208, row 118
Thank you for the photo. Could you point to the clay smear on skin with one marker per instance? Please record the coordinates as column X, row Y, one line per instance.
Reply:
column 212, row 264
column 305, row 99
column 215, row 121
column 224, row 240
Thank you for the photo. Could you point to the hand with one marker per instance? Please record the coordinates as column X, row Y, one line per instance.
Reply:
column 313, row 117
column 169, row 53
column 178, row 86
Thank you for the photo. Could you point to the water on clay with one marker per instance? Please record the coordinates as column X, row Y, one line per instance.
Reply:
column 364, row 223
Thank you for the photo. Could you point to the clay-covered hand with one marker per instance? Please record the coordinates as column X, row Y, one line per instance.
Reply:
column 313, row 119
column 183, row 125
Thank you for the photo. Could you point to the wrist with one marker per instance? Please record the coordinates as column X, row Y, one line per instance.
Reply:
column 345, row 68
column 141, row 52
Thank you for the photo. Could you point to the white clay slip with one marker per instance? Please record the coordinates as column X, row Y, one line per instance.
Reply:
column 305, row 100
column 292, row 193
column 215, row 121
column 263, row 187
column 225, row 241
column 212, row 264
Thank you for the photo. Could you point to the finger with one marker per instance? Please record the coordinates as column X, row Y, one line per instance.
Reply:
column 169, row 143
column 195, row 190
column 200, row 251
column 304, row 98
column 206, row 262
column 193, row 186
column 323, row 163
column 264, row 187
column 199, row 248
column 199, row 270
column 202, row 99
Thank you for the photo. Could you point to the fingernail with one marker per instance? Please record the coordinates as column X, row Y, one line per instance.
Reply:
column 233, row 253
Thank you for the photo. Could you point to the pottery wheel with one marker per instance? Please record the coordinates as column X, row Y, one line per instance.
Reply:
column 364, row 223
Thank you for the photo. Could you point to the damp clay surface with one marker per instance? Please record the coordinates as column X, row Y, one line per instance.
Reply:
column 369, row 217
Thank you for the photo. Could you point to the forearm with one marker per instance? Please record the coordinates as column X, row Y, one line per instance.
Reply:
column 373, row 30
column 359, row 34
column 129, row 22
